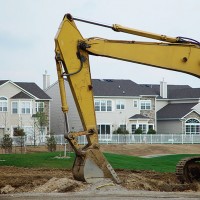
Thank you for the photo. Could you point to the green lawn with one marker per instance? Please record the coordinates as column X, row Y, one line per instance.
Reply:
column 48, row 160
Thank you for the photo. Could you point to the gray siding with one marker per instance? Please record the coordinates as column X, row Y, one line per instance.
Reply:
column 57, row 118
column 167, row 127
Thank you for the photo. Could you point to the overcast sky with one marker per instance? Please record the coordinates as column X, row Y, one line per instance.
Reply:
column 28, row 28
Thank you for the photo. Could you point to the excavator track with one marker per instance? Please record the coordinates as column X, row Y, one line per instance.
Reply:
column 188, row 170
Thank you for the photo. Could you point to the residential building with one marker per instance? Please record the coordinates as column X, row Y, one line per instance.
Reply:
column 118, row 103
column 19, row 102
column 179, row 110
column 126, row 104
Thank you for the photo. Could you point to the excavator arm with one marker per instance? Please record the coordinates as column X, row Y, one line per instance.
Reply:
column 72, row 59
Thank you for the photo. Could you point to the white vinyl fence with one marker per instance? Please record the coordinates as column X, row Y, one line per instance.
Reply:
column 117, row 139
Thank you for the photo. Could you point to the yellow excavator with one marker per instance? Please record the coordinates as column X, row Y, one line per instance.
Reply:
column 72, row 59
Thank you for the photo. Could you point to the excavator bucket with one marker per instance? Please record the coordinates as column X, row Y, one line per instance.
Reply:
column 93, row 167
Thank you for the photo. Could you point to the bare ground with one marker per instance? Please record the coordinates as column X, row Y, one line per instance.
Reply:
column 56, row 180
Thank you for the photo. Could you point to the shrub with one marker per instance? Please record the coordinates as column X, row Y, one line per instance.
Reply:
column 120, row 131
column 51, row 144
column 138, row 131
column 20, row 140
column 151, row 131
column 7, row 143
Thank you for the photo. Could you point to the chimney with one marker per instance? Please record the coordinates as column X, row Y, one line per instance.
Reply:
column 163, row 89
column 46, row 80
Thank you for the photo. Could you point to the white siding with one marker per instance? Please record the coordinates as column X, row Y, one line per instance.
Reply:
column 160, row 104
column 117, row 117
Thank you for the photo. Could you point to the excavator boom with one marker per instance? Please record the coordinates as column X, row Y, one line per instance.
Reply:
column 72, row 59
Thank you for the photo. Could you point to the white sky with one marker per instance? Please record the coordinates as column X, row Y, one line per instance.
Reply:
column 28, row 28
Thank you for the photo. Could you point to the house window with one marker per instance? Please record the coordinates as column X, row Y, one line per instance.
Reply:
column 109, row 105
column 145, row 105
column 103, row 105
column 150, row 126
column 133, row 128
column 104, row 129
column 123, row 127
column 120, row 105
column 3, row 104
column 39, row 107
column 135, row 103
column 192, row 126
column 25, row 107
column 143, row 127
column 97, row 105
column 14, row 107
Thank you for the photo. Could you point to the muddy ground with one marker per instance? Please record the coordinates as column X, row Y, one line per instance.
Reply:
column 15, row 180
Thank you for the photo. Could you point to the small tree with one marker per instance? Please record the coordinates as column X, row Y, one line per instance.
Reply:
column 151, row 131
column 51, row 143
column 121, row 131
column 19, row 132
column 40, row 122
column 138, row 131
column 7, row 143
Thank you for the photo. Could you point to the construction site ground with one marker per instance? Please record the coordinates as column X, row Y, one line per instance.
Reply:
column 17, row 180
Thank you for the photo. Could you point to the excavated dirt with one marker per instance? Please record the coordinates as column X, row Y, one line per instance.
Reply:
column 16, row 180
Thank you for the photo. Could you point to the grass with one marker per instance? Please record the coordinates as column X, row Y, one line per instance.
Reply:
column 160, row 164
column 49, row 160
column 36, row 160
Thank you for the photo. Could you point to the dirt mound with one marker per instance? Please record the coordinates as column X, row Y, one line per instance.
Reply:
column 59, row 185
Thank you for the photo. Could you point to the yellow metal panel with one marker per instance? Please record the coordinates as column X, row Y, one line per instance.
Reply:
column 80, row 83
column 177, row 57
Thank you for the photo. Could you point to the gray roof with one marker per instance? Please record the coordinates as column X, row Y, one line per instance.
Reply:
column 176, row 91
column 3, row 81
column 21, row 95
column 171, row 90
column 174, row 111
column 139, row 116
column 184, row 93
column 33, row 89
column 119, row 87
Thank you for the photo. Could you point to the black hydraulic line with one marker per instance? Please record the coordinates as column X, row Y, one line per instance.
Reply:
column 69, row 16
column 180, row 39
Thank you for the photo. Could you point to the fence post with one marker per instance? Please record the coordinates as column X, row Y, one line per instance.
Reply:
column 192, row 139
column 182, row 139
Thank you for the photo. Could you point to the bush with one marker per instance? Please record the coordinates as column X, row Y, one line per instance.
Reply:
column 51, row 144
column 7, row 143
column 151, row 131
column 138, row 131
column 120, row 131
column 20, row 140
